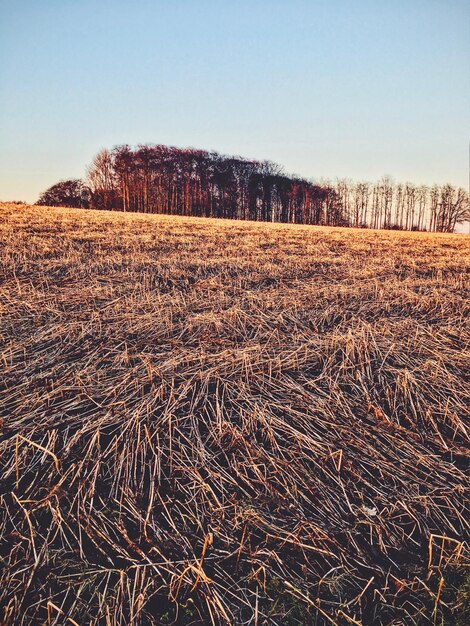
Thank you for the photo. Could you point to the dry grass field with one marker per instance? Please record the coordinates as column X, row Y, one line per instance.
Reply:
column 213, row 422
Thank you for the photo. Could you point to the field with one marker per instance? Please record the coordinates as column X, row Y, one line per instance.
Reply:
column 215, row 422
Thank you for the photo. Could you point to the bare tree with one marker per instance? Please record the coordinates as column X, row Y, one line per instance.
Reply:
column 102, row 180
column 344, row 189
column 386, row 190
column 453, row 208
column 165, row 179
column 361, row 204
column 422, row 195
column 410, row 205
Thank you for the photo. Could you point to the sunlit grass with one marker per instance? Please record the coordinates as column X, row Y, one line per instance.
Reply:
column 212, row 422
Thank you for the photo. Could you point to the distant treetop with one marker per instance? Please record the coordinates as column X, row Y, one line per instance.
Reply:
column 71, row 193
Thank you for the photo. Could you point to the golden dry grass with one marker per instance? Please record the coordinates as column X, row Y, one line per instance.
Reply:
column 214, row 422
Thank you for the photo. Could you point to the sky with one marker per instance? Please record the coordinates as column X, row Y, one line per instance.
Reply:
column 326, row 88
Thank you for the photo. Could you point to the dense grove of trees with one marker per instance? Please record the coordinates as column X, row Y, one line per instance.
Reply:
column 174, row 181
column 159, row 179
column 73, row 193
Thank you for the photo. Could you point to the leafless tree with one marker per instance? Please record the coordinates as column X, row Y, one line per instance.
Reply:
column 453, row 208
column 361, row 204
column 102, row 180
column 422, row 196
column 175, row 181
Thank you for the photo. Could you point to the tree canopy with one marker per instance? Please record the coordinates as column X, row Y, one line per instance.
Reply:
column 71, row 193
column 176, row 181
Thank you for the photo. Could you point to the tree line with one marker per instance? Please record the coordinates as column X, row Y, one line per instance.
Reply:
column 175, row 181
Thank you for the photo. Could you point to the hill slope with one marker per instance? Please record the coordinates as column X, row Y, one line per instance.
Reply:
column 217, row 422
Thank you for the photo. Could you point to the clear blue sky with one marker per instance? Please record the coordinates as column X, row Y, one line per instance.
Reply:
column 327, row 88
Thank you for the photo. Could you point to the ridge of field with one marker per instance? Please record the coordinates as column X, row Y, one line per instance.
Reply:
column 222, row 422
